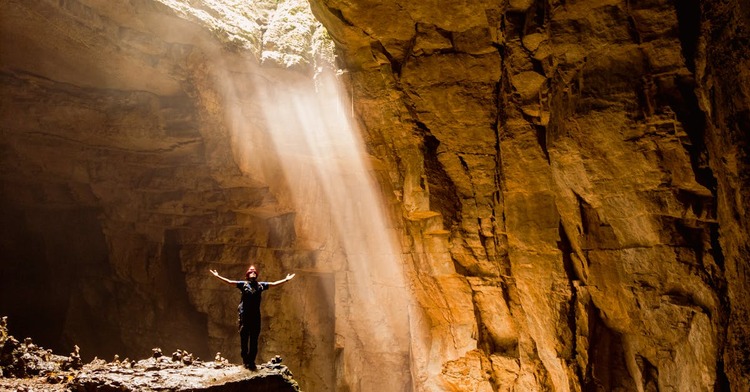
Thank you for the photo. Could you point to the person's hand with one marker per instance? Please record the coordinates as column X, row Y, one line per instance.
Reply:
column 216, row 274
column 289, row 276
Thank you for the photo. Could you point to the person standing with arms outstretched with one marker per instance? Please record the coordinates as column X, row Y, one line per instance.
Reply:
column 249, row 311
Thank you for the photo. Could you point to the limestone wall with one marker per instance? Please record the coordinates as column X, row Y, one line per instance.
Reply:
column 584, row 177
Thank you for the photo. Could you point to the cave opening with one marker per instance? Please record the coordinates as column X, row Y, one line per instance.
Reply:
column 51, row 255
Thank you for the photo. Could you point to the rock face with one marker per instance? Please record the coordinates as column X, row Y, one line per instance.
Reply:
column 568, row 182
column 589, row 162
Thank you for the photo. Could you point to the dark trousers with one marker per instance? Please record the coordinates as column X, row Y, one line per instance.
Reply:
column 249, row 333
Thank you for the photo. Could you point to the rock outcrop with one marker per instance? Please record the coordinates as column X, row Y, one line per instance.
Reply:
column 28, row 367
column 170, row 374
column 568, row 182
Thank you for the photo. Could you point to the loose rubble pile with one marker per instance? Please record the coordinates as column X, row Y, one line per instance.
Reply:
column 26, row 359
column 25, row 366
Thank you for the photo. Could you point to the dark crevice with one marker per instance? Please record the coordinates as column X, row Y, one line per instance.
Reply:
column 694, row 122
column 583, row 210
column 684, row 102
column 697, row 203
column 596, row 234
column 686, row 299
column 340, row 16
column 515, row 23
column 716, row 251
column 645, row 96
column 506, row 287
column 484, row 340
column 408, row 53
column 568, row 339
column 541, row 138
column 443, row 194
column 537, row 17
column 632, row 25
column 722, row 381
column 445, row 33
column 566, row 249
column 720, row 286
column 396, row 64
column 649, row 374
column 464, row 165
column 688, row 20
column 537, row 66
column 606, row 369
column 689, row 235
column 460, row 269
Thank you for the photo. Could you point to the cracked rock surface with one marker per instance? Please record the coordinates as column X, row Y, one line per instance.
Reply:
column 583, row 167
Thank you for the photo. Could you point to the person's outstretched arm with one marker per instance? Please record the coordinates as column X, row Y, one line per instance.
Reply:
column 227, row 281
column 278, row 282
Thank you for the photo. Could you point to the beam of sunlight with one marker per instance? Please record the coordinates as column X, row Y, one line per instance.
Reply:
column 312, row 142
column 310, row 127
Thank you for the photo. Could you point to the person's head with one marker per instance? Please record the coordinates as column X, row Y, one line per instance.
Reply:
column 251, row 273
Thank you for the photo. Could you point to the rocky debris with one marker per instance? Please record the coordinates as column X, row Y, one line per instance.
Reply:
column 28, row 367
column 181, row 372
column 20, row 360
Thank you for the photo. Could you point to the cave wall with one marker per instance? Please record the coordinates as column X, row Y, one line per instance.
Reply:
column 128, row 172
column 721, row 67
column 571, row 159
column 568, row 181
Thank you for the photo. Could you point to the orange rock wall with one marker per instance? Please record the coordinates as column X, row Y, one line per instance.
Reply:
column 584, row 163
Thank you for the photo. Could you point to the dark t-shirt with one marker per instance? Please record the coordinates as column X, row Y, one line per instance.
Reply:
column 250, row 302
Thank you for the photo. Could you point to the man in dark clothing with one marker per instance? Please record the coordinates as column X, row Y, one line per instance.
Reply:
column 249, row 311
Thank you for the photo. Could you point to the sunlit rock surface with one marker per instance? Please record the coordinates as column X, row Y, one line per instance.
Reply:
column 159, row 374
column 25, row 366
column 569, row 181
column 589, row 161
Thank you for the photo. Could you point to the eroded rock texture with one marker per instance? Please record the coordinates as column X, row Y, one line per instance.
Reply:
column 589, row 162
column 569, row 180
